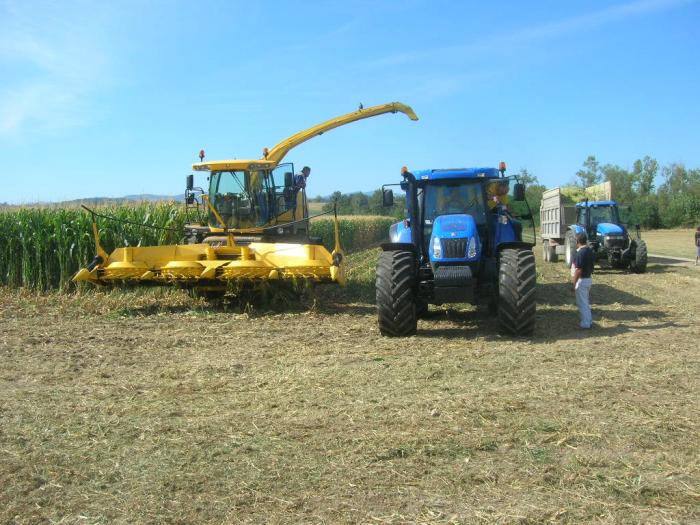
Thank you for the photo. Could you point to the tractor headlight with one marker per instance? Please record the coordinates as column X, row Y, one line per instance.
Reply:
column 437, row 248
column 471, row 250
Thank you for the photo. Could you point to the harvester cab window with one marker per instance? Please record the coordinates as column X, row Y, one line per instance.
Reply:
column 229, row 196
column 283, row 177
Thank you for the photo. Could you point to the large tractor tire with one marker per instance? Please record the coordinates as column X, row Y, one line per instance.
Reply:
column 569, row 248
column 396, row 300
column 517, row 279
column 639, row 263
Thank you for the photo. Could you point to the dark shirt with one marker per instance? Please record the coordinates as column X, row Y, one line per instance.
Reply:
column 584, row 260
column 299, row 181
column 697, row 238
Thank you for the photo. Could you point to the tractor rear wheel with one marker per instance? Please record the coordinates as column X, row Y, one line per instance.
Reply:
column 395, row 287
column 517, row 280
column 569, row 248
column 639, row 263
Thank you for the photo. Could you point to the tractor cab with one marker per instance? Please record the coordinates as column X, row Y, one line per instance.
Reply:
column 463, row 214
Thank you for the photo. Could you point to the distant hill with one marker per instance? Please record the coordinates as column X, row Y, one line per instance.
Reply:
column 96, row 201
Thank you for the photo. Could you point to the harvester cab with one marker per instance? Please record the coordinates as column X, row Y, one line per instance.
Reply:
column 461, row 242
column 252, row 225
column 607, row 236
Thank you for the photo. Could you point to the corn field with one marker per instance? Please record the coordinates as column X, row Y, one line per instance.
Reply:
column 42, row 248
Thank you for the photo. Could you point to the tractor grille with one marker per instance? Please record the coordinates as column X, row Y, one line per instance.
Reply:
column 615, row 242
column 454, row 248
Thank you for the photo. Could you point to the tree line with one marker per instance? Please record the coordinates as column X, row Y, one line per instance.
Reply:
column 675, row 202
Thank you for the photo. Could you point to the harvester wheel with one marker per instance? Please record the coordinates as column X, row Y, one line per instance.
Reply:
column 569, row 248
column 639, row 263
column 396, row 301
column 516, row 289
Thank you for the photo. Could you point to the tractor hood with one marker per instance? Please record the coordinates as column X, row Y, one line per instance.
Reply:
column 607, row 228
column 454, row 239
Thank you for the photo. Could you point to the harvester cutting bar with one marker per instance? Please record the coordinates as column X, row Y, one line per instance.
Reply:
column 192, row 263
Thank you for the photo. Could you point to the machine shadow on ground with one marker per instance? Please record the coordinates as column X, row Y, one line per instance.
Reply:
column 556, row 294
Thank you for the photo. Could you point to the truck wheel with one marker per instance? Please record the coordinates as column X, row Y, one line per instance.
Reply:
column 569, row 248
column 396, row 301
column 639, row 263
column 517, row 280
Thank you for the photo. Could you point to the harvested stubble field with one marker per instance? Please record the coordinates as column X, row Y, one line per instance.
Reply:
column 151, row 407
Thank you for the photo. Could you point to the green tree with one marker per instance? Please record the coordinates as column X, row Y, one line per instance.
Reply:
column 644, row 172
column 590, row 174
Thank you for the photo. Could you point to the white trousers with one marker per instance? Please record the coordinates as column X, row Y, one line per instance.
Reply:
column 583, row 301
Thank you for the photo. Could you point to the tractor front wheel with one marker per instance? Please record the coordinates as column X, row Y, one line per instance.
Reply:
column 396, row 300
column 639, row 263
column 517, row 280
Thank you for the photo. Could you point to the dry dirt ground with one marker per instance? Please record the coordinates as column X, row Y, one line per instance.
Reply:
column 151, row 407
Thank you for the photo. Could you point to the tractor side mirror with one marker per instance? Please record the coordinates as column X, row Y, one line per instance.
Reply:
column 189, row 184
column 387, row 198
column 288, row 179
column 519, row 192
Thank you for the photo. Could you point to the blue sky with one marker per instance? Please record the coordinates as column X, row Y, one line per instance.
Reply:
column 116, row 98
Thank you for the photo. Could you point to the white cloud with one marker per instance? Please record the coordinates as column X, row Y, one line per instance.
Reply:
column 519, row 37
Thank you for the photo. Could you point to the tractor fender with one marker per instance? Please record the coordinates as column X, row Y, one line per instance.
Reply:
column 393, row 246
column 515, row 244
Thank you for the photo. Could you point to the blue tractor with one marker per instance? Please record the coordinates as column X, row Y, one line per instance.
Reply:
column 461, row 242
column 607, row 236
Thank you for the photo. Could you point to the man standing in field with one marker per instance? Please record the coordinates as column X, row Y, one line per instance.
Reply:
column 582, row 281
column 697, row 245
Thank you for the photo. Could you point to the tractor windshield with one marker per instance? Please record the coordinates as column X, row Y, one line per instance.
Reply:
column 455, row 197
column 601, row 214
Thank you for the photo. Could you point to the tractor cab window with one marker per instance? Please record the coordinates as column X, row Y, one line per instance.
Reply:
column 453, row 198
column 601, row 214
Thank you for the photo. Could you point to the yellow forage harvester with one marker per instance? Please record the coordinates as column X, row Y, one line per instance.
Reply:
column 252, row 225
